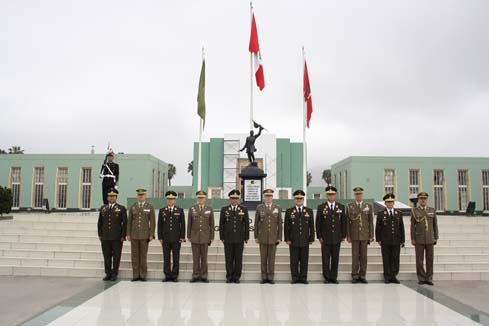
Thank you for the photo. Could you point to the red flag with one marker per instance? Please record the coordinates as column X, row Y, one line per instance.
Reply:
column 254, row 48
column 307, row 95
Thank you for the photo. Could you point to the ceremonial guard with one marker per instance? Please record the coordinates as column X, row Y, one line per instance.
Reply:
column 299, row 234
column 331, row 231
column 268, row 234
column 112, row 226
column 234, row 232
column 424, row 235
column 109, row 173
column 360, row 233
column 171, row 233
column 389, row 233
column 140, row 231
column 200, row 234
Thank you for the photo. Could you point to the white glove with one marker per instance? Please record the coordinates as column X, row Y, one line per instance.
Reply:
column 101, row 176
column 116, row 188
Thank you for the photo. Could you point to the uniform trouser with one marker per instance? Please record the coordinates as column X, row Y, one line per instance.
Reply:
column 390, row 258
column 359, row 259
column 112, row 250
column 171, row 251
column 199, row 254
column 139, row 254
column 299, row 260
column 421, row 249
column 107, row 184
column 331, row 256
column 267, row 255
column 234, row 260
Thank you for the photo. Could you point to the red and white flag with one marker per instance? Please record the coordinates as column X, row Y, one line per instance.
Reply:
column 307, row 95
column 255, row 49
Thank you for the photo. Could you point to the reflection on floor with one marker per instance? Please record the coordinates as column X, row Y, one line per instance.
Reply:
column 155, row 303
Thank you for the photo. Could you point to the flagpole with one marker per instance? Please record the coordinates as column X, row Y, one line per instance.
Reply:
column 199, row 175
column 304, row 124
column 251, row 74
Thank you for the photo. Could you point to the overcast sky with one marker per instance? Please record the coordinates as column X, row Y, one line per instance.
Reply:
column 387, row 77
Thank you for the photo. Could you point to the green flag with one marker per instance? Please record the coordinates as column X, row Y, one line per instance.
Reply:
column 201, row 95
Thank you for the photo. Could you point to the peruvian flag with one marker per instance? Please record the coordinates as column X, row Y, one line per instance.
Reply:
column 307, row 95
column 255, row 49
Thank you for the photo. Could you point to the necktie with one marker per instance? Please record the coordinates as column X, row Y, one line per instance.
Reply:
column 332, row 207
column 390, row 213
column 234, row 210
column 171, row 210
column 300, row 210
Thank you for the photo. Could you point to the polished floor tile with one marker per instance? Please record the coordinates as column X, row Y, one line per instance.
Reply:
column 154, row 303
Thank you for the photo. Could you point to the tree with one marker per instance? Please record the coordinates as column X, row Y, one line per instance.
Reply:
column 15, row 150
column 327, row 176
column 190, row 168
column 2, row 151
column 172, row 170
column 5, row 200
column 309, row 179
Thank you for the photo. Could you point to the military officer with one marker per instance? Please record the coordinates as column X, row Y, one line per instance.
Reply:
column 360, row 233
column 200, row 234
column 141, row 226
column 331, row 231
column 268, row 234
column 389, row 233
column 299, row 234
column 234, row 232
column 109, row 175
column 171, row 233
column 424, row 235
column 112, row 226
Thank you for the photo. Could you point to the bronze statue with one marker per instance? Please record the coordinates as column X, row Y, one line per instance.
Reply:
column 250, row 143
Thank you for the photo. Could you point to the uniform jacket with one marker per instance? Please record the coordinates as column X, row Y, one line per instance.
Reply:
column 360, row 221
column 390, row 230
column 141, row 222
column 114, row 167
column 331, row 224
column 171, row 226
column 234, row 227
column 200, row 224
column 268, row 224
column 112, row 223
column 424, row 225
column 299, row 228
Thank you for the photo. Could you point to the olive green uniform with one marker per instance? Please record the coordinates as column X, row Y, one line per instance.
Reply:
column 200, row 233
column 359, row 229
column 141, row 225
column 268, row 232
column 424, row 230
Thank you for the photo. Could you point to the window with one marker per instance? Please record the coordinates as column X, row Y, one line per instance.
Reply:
column 15, row 186
column 485, row 190
column 153, row 176
column 181, row 195
column 38, row 189
column 159, row 185
column 334, row 181
column 463, row 192
column 86, row 188
column 316, row 196
column 341, row 185
column 345, row 188
column 389, row 181
column 61, row 187
column 413, row 182
column 439, row 190
column 283, row 194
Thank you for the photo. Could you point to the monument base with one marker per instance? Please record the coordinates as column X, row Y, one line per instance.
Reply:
column 252, row 185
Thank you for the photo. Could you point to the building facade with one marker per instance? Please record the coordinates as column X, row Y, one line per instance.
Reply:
column 451, row 182
column 71, row 181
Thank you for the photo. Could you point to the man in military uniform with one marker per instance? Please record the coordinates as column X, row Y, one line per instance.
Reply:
column 112, row 226
column 200, row 234
column 360, row 233
column 140, row 231
column 299, row 234
column 109, row 175
column 389, row 233
column 171, row 233
column 234, row 232
column 331, row 231
column 424, row 235
column 268, row 234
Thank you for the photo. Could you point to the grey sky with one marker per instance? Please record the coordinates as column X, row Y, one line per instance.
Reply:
column 387, row 77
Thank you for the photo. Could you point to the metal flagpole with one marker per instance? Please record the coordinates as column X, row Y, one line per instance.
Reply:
column 251, row 74
column 199, row 175
column 304, row 124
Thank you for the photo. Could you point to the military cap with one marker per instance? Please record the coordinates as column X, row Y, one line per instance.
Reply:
column 331, row 190
column 358, row 190
column 389, row 197
column 234, row 194
column 141, row 191
column 299, row 193
column 201, row 194
column 112, row 192
column 268, row 192
column 170, row 194
column 423, row 194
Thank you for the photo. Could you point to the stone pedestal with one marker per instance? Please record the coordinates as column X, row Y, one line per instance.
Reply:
column 252, row 185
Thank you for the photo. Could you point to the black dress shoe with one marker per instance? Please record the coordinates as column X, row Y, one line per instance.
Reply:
column 294, row 282
column 237, row 281
column 429, row 283
column 304, row 282
column 271, row 282
column 363, row 281
column 194, row 280
column 174, row 280
column 142, row 279
column 263, row 281
column 135, row 279
column 229, row 281
column 166, row 279
column 420, row 282
column 387, row 281
column 204, row 280
column 106, row 278
column 395, row 280
column 354, row 281
column 113, row 278
column 334, row 281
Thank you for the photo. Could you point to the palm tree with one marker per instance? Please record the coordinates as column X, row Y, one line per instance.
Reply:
column 2, row 151
column 15, row 150
column 172, row 170
column 309, row 178
column 327, row 176
column 190, row 168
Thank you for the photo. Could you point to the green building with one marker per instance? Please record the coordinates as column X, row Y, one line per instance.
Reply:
column 71, row 181
column 451, row 182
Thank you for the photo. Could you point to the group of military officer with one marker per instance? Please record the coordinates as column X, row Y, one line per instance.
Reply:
column 334, row 223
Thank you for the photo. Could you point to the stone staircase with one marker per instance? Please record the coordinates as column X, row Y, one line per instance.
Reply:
column 67, row 245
